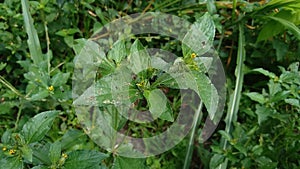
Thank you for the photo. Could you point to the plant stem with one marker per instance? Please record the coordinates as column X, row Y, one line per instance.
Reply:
column 189, row 153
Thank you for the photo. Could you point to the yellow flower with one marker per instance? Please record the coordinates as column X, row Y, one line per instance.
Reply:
column 12, row 151
column 64, row 155
column 50, row 88
column 4, row 148
column 193, row 55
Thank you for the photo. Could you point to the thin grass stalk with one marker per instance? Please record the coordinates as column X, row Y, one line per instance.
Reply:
column 235, row 98
column 190, row 148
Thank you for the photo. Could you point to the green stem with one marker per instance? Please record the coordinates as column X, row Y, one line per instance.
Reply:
column 189, row 153
column 233, row 10
column 235, row 98
column 10, row 86
column 18, row 116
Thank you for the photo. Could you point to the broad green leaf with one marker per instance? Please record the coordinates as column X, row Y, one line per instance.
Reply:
column 167, row 80
column 294, row 67
column 167, row 114
column 262, row 113
column 269, row 30
column 256, row 97
column 2, row 65
column 129, row 163
column 6, row 137
column 281, row 49
column 277, row 24
column 37, row 127
column 40, row 95
column 139, row 59
column 79, row 45
column 11, row 163
column 289, row 25
column 265, row 72
column 26, row 152
column 84, row 159
column 293, row 102
column 59, row 79
column 157, row 102
column 33, row 39
column 241, row 148
column 38, row 77
column 55, row 152
column 71, row 138
column 225, row 135
column 279, row 96
column 207, row 92
column 216, row 161
column 200, row 36
column 118, row 51
column 40, row 153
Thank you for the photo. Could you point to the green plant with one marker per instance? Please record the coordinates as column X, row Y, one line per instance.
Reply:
column 40, row 128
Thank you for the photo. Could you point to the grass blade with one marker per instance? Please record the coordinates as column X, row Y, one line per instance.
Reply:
column 33, row 39
column 189, row 153
column 235, row 97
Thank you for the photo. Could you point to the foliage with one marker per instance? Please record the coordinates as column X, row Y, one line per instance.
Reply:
column 40, row 39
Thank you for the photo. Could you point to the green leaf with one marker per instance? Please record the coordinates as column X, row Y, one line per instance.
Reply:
column 11, row 163
column 118, row 51
column 37, row 127
column 167, row 114
column 265, row 72
column 26, row 152
column 33, row 39
column 200, row 36
column 277, row 24
column 241, row 148
column 6, row 137
column 41, row 153
column 59, row 79
column 71, row 138
column 2, row 65
column 225, row 135
column 40, row 95
column 129, row 163
column 55, row 152
column 216, row 161
column 67, row 32
column 289, row 25
column 139, row 59
column 84, row 159
column 293, row 102
column 256, row 97
column 281, row 49
column 262, row 113
column 157, row 102
column 208, row 93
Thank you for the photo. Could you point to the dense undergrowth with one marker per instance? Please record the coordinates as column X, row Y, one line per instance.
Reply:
column 257, row 42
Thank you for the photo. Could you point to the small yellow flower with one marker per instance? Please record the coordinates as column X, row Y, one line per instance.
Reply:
column 193, row 55
column 64, row 155
column 4, row 148
column 12, row 151
column 50, row 88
